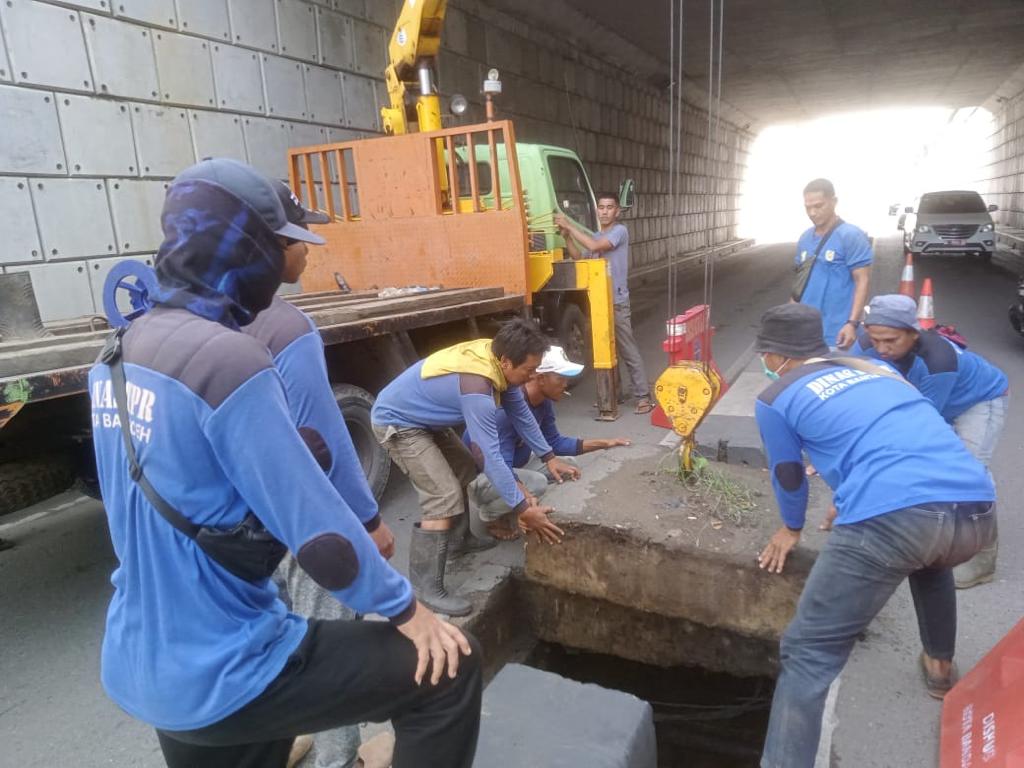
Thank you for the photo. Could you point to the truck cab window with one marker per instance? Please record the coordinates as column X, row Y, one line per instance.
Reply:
column 572, row 190
column 483, row 177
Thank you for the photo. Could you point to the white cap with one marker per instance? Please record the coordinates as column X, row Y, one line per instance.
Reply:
column 555, row 361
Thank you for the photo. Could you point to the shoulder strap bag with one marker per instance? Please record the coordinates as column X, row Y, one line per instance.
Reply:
column 803, row 272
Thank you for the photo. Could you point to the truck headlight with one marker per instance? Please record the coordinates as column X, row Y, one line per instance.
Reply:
column 986, row 228
column 924, row 228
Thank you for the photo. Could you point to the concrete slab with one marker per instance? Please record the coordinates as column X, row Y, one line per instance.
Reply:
column 535, row 719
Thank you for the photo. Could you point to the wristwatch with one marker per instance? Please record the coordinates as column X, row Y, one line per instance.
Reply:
column 854, row 323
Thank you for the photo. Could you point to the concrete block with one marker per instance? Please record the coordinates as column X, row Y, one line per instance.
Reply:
column 98, row 270
column 74, row 218
column 97, row 136
column 159, row 13
column 360, row 102
column 334, row 34
column 46, row 46
column 354, row 8
column 267, row 144
column 254, row 23
column 32, row 141
column 296, row 29
column 504, row 51
column 217, row 134
column 135, row 206
column 163, row 139
column 286, row 95
column 384, row 14
column 560, row 723
column 62, row 290
column 18, row 223
column 323, row 95
column 185, row 69
column 370, row 48
column 122, row 58
column 238, row 79
column 205, row 17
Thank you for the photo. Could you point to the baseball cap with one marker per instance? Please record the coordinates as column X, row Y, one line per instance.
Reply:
column 294, row 211
column 555, row 361
column 792, row 330
column 253, row 188
column 893, row 310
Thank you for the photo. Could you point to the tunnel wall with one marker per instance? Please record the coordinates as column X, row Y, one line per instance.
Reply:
column 1005, row 174
column 104, row 101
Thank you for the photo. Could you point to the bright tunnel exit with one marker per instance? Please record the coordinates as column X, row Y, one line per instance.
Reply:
column 875, row 159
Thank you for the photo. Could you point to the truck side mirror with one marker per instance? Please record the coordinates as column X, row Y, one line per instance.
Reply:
column 993, row 208
column 901, row 222
column 627, row 194
column 909, row 209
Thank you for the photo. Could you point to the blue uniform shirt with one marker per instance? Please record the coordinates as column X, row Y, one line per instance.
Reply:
column 954, row 379
column 618, row 259
column 516, row 451
column 830, row 287
column 877, row 442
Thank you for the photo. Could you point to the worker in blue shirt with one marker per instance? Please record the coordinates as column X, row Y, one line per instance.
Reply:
column 840, row 265
column 413, row 418
column 969, row 392
column 545, row 388
column 911, row 501
column 197, row 642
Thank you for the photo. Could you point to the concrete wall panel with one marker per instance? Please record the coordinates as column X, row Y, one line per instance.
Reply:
column 18, row 223
column 122, row 58
column 62, row 290
column 267, row 142
column 46, row 45
column 32, row 141
column 159, row 13
column 385, row 14
column 185, row 69
column 74, row 218
column 162, row 139
column 296, row 29
column 97, row 136
column 238, row 79
column 254, row 23
column 6, row 75
column 334, row 33
column 370, row 50
column 286, row 96
column 205, row 17
column 135, row 206
column 323, row 95
column 360, row 102
column 355, row 8
column 217, row 134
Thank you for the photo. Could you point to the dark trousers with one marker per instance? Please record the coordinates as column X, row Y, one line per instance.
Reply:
column 345, row 672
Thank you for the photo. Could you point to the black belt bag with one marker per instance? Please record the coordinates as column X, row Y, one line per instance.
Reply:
column 248, row 550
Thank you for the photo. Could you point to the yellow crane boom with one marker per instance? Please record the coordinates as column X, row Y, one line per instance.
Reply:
column 412, row 53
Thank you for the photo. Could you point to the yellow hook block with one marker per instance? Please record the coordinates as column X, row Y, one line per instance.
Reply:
column 686, row 391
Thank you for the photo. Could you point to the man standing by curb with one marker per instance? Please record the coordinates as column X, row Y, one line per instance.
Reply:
column 612, row 243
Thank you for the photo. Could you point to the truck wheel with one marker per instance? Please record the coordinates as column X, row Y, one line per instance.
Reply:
column 355, row 404
column 574, row 336
column 23, row 483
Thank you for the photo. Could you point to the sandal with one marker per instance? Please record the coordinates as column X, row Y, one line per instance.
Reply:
column 643, row 405
column 937, row 687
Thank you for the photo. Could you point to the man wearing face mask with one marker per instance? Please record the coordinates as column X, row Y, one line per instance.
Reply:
column 202, row 485
column 912, row 503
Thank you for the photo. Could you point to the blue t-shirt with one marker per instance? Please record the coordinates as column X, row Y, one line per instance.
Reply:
column 618, row 259
column 830, row 287
column 877, row 442
column 516, row 451
column 954, row 379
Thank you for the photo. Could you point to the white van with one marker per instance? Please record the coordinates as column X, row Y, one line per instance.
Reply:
column 953, row 221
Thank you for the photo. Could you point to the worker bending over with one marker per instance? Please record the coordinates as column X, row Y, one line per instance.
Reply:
column 206, row 482
column 969, row 392
column 545, row 388
column 912, row 502
column 413, row 419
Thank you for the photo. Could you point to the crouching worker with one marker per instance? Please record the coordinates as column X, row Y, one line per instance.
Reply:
column 413, row 419
column 542, row 391
column 970, row 392
column 912, row 502
column 206, row 483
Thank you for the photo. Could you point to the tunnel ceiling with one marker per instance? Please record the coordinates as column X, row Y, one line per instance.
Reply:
column 788, row 60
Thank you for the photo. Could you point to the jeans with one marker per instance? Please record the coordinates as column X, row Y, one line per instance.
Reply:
column 857, row 571
column 980, row 426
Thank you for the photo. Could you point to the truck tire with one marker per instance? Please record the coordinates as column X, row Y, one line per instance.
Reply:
column 574, row 336
column 23, row 483
column 355, row 404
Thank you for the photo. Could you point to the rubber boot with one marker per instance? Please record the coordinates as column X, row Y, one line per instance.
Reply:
column 980, row 569
column 463, row 540
column 427, row 556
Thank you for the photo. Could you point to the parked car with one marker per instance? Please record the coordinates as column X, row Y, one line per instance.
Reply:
column 952, row 222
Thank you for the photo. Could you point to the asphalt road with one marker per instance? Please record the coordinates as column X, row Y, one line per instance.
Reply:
column 54, row 584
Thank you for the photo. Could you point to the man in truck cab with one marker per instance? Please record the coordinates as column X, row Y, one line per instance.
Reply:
column 205, row 481
column 545, row 388
column 612, row 243
column 969, row 392
column 912, row 503
column 413, row 419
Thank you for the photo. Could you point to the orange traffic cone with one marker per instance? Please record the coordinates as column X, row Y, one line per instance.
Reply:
column 907, row 285
column 926, row 306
